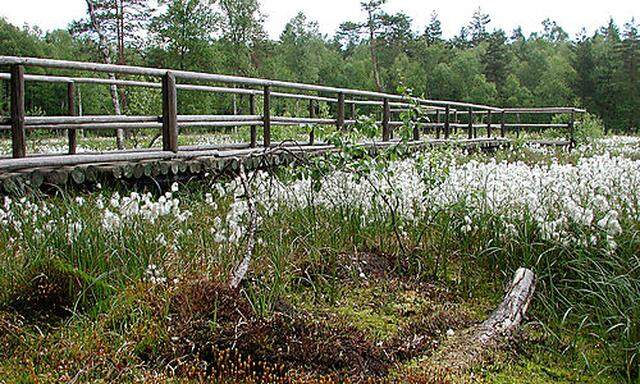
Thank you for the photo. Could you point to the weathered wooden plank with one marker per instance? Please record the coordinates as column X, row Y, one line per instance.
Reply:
column 312, row 115
column 169, row 113
column 266, row 115
column 18, row 134
column 340, row 112
column 254, row 132
column 72, row 133
column 386, row 117
column 447, row 122
column 470, row 127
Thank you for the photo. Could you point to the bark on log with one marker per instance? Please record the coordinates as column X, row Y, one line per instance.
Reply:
column 473, row 346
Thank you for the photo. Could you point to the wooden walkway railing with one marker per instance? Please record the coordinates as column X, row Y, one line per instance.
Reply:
column 445, row 117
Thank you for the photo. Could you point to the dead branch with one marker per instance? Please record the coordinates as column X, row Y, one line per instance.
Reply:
column 243, row 267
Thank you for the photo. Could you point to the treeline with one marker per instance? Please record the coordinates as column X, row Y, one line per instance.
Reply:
column 547, row 68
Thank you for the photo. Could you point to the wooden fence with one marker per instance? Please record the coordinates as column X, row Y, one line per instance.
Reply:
column 439, row 118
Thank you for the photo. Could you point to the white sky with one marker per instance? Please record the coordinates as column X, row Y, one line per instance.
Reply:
column 506, row 14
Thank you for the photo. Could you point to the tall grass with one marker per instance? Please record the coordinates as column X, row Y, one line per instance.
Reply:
column 586, row 289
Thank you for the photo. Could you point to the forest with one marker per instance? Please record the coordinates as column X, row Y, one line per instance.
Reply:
column 482, row 64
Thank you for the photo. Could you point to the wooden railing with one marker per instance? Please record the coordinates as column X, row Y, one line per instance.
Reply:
column 444, row 116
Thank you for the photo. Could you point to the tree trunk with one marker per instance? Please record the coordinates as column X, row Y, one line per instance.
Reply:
column 374, row 57
column 106, row 56
column 122, row 58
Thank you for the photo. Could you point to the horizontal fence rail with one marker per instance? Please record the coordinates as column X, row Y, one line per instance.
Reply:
column 441, row 118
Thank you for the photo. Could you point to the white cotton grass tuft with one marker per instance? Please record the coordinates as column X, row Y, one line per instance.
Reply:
column 593, row 194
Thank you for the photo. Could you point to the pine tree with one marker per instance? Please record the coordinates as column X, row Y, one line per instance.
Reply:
column 584, row 65
column 373, row 9
column 461, row 41
column 553, row 32
column 630, row 62
column 433, row 32
column 611, row 32
column 478, row 27
column 496, row 57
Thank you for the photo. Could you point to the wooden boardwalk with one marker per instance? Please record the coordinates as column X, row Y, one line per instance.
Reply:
column 432, row 122
column 134, row 166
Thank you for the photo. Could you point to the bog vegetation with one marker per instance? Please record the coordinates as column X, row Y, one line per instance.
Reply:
column 360, row 267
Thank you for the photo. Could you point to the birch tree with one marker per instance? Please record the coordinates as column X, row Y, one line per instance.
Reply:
column 115, row 24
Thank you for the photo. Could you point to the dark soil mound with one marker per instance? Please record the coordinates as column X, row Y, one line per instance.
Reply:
column 213, row 332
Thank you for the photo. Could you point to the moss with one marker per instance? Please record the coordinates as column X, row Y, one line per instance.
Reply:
column 546, row 370
column 380, row 326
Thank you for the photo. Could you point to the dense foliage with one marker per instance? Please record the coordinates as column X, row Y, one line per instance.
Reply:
column 599, row 72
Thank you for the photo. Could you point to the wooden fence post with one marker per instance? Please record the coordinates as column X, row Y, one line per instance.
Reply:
column 266, row 117
column 18, row 134
column 386, row 117
column 437, row 124
column 354, row 114
column 572, row 128
column 169, row 113
column 470, row 133
column 503, row 127
column 455, row 121
column 252, row 111
column 340, row 117
column 489, row 124
column 72, row 133
column 312, row 115
column 416, row 127
column 518, row 125
column 447, row 126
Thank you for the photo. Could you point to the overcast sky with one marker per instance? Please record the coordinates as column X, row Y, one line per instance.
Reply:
column 506, row 14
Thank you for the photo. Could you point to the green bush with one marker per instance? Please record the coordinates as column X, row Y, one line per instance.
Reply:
column 588, row 127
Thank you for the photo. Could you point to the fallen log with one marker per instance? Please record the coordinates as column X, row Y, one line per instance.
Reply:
column 506, row 319
column 470, row 348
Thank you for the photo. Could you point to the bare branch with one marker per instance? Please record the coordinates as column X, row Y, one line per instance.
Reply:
column 243, row 267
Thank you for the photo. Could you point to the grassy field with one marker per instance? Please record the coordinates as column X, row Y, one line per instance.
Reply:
column 362, row 269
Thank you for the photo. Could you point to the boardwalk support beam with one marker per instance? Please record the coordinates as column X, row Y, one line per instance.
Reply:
column 386, row 117
column 254, row 131
column 340, row 118
column 169, row 113
column 266, row 117
column 18, row 135
column 572, row 129
column 72, row 133
column 312, row 115
column 416, row 127
column 447, row 126
column 470, row 133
